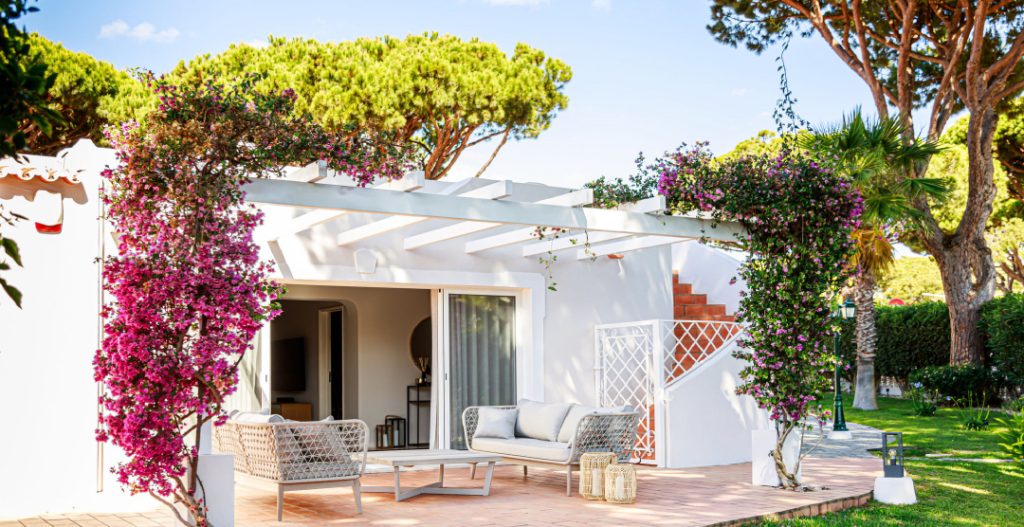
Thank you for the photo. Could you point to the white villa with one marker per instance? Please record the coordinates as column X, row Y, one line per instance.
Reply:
column 447, row 271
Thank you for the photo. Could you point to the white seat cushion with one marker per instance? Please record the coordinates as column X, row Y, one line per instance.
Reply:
column 496, row 422
column 540, row 420
column 524, row 447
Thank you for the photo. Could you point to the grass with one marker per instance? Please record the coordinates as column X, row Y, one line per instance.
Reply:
column 939, row 434
column 954, row 493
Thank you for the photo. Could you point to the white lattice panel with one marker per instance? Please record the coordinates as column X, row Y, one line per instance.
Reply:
column 625, row 366
column 690, row 342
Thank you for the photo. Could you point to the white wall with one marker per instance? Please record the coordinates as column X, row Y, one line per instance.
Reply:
column 377, row 324
column 710, row 270
column 708, row 423
column 588, row 292
column 48, row 451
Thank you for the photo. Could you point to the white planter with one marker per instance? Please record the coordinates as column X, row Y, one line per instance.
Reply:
column 217, row 472
column 762, row 444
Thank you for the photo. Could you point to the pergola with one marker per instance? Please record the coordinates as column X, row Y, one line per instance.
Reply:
column 479, row 218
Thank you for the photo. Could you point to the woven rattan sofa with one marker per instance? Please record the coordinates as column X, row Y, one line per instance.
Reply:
column 297, row 455
column 584, row 429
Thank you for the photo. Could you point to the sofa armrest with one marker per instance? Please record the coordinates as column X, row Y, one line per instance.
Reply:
column 611, row 432
column 471, row 418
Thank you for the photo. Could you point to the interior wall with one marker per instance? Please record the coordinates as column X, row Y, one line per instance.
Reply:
column 377, row 325
column 301, row 319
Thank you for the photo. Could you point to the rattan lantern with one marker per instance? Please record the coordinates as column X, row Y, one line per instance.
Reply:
column 620, row 484
column 592, row 465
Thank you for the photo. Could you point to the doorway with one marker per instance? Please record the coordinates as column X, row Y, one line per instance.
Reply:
column 331, row 354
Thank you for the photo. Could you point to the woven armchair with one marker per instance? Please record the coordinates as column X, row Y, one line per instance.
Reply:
column 613, row 432
column 298, row 455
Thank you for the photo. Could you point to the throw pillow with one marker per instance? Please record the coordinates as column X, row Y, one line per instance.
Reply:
column 498, row 423
column 540, row 420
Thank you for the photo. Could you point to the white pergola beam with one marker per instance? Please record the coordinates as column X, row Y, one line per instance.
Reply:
column 569, row 199
column 309, row 220
column 497, row 190
column 631, row 244
column 576, row 240
column 354, row 199
column 649, row 205
column 310, row 173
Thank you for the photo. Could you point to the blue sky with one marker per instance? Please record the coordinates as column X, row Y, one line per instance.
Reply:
column 647, row 75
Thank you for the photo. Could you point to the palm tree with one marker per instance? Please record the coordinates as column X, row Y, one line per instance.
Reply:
column 876, row 157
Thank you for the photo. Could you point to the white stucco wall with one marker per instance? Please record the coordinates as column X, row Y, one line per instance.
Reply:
column 708, row 423
column 48, row 451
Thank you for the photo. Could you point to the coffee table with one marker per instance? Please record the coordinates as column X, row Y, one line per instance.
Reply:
column 415, row 458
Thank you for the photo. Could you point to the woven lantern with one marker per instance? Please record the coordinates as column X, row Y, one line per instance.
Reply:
column 620, row 484
column 592, row 466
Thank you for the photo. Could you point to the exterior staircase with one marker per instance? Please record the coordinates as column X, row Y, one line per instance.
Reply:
column 700, row 328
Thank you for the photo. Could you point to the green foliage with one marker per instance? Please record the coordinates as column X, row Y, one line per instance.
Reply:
column 962, row 382
column 923, row 401
column 1016, row 405
column 1013, row 438
column 87, row 93
column 974, row 413
column 439, row 93
column 909, row 338
column 1002, row 321
column 23, row 86
column 913, row 280
column 609, row 194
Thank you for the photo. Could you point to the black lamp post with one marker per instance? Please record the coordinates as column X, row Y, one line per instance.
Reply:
column 845, row 311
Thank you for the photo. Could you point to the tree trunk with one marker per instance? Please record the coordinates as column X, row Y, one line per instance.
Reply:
column 867, row 337
column 965, row 261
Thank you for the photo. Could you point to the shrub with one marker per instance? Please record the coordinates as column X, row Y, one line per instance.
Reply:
column 1002, row 321
column 974, row 418
column 923, row 402
column 909, row 338
column 959, row 382
column 1016, row 405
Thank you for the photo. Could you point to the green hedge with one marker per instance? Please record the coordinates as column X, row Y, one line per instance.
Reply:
column 909, row 338
column 972, row 383
column 917, row 336
column 1002, row 321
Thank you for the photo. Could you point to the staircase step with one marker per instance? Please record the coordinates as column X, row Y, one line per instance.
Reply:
column 682, row 289
column 714, row 310
column 690, row 299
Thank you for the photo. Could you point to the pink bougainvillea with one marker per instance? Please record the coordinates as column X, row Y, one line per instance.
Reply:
column 188, row 290
column 798, row 216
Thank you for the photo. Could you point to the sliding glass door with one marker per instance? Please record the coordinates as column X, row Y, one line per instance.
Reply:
column 481, row 358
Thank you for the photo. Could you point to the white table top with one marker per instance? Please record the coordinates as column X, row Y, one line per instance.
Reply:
column 413, row 457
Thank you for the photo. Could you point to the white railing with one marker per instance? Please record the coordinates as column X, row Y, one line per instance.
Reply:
column 636, row 362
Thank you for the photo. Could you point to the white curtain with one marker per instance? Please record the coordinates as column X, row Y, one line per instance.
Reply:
column 483, row 368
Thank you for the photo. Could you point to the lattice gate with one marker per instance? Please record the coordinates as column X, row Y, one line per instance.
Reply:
column 636, row 362
column 626, row 375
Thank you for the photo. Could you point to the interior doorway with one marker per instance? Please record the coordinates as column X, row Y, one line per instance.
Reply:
column 332, row 356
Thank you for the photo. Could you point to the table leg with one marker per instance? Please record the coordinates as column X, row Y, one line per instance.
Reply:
column 440, row 478
column 398, row 485
column 487, row 479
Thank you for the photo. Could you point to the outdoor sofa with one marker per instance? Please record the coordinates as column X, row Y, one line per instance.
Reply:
column 550, row 434
column 296, row 455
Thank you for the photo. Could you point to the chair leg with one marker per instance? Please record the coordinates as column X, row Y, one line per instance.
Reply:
column 568, row 481
column 472, row 471
column 280, row 503
column 357, row 492
column 525, row 469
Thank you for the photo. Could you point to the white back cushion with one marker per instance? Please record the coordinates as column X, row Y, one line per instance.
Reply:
column 498, row 423
column 540, row 420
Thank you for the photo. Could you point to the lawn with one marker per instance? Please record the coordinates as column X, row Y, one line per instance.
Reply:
column 939, row 434
column 955, row 493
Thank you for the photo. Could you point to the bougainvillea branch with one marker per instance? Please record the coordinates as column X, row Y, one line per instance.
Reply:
column 188, row 287
column 799, row 216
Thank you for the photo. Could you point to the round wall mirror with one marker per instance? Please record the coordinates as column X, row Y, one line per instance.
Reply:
column 421, row 348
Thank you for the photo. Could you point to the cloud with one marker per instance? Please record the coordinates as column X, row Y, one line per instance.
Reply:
column 143, row 32
column 601, row 5
column 530, row 3
column 258, row 44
